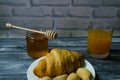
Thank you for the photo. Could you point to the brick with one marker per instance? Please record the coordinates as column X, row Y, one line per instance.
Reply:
column 60, row 12
column 72, row 12
column 111, row 21
column 118, row 14
column 111, row 2
column 14, row 2
column 74, row 24
column 70, row 23
column 5, row 11
column 64, row 33
column 80, row 12
column 72, row 33
column 39, row 23
column 16, row 33
column 12, row 20
column 65, row 28
column 51, row 2
column 79, row 33
column 32, row 11
column 105, row 12
column 87, row 2
column 4, row 33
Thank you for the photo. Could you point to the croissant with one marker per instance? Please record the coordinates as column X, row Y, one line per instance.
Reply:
column 58, row 62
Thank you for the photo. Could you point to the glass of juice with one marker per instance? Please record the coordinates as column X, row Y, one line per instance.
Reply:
column 99, row 40
column 37, row 44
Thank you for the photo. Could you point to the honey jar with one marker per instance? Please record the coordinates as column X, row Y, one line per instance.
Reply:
column 37, row 44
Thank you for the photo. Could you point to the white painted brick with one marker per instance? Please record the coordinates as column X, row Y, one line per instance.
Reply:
column 72, row 12
column 111, row 2
column 39, row 23
column 12, row 33
column 72, row 33
column 60, row 12
column 105, row 12
column 79, row 33
column 69, row 17
column 4, row 33
column 80, row 12
column 71, row 23
column 118, row 13
column 5, row 11
column 87, row 2
column 12, row 20
column 32, row 11
column 14, row 2
column 51, row 2
column 64, row 33
column 74, row 24
column 113, row 22
column 16, row 33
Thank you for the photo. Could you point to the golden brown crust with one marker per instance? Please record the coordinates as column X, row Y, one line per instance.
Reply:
column 57, row 62
column 40, row 69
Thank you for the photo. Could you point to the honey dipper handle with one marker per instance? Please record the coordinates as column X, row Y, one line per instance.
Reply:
column 31, row 30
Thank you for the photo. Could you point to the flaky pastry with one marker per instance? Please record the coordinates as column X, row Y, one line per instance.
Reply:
column 58, row 62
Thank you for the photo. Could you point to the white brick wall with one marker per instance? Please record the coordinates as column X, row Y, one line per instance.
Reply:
column 105, row 12
column 39, row 22
column 87, row 2
column 51, row 2
column 5, row 11
column 111, row 2
column 32, row 11
column 14, row 2
column 68, row 17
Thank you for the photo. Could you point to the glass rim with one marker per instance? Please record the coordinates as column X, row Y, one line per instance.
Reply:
column 101, row 26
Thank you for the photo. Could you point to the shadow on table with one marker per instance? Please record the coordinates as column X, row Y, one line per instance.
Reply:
column 114, row 55
column 96, row 77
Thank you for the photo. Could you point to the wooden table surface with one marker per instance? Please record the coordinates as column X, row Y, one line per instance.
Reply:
column 14, row 60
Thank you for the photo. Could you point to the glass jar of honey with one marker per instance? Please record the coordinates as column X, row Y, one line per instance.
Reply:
column 37, row 44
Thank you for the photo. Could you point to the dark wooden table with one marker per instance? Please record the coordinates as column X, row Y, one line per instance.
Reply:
column 14, row 60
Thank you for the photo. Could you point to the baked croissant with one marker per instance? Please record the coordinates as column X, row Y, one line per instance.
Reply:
column 57, row 62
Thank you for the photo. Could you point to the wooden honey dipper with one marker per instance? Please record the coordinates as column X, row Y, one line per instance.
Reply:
column 50, row 34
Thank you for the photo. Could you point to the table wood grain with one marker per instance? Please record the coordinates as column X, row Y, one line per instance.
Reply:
column 14, row 60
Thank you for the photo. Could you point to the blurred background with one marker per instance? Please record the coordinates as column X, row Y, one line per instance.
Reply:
column 69, row 18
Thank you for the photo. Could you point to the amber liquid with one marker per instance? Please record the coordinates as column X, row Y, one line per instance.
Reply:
column 99, row 41
column 37, row 45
